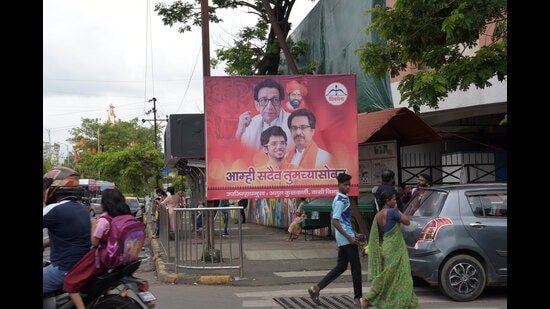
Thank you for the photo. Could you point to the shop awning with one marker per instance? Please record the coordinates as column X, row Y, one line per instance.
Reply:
column 400, row 124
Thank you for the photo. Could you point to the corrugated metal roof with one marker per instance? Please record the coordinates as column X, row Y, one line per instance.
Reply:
column 399, row 124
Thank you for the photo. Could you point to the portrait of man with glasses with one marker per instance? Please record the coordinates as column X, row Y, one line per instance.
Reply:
column 305, row 154
column 268, row 97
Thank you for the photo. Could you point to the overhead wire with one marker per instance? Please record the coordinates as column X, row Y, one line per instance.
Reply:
column 148, row 39
column 190, row 78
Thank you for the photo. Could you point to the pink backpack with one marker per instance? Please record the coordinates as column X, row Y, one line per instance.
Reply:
column 126, row 238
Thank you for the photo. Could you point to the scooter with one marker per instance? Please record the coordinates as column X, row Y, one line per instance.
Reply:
column 115, row 288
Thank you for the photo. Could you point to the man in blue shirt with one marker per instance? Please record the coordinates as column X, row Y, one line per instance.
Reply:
column 347, row 240
column 68, row 223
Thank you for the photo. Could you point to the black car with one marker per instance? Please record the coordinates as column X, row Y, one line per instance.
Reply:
column 457, row 238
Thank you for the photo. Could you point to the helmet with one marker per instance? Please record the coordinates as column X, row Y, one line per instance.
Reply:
column 59, row 180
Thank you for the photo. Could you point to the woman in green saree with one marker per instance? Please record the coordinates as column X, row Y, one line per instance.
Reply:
column 389, row 269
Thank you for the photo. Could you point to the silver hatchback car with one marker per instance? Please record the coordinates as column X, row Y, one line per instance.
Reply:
column 457, row 238
column 95, row 206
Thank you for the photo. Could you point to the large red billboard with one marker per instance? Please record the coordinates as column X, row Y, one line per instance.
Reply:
column 280, row 135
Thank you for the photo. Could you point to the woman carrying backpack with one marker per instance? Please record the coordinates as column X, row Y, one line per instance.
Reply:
column 113, row 204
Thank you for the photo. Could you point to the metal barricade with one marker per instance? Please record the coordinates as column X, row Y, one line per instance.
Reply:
column 197, row 242
column 164, row 228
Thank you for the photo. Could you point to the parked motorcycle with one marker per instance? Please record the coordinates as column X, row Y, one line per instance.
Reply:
column 115, row 288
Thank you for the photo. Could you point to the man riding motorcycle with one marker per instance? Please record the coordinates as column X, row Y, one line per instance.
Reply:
column 68, row 223
column 69, row 229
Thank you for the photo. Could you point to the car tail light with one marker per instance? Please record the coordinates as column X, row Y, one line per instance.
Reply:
column 430, row 230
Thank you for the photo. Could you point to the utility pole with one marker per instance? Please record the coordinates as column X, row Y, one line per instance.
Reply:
column 155, row 119
column 97, row 122
column 205, row 26
column 155, row 126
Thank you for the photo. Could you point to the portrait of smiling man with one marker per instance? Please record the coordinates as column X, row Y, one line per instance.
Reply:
column 305, row 154
column 274, row 141
column 296, row 93
column 268, row 97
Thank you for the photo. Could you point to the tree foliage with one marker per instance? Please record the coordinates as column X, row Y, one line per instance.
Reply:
column 441, row 40
column 48, row 164
column 126, row 156
column 108, row 135
column 255, row 50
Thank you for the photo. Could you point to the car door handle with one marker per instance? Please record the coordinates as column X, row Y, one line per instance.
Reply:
column 477, row 224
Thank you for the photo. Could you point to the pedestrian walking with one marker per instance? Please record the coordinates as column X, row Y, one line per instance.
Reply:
column 348, row 243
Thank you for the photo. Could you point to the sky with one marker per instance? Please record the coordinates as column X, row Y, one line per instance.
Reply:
column 98, row 53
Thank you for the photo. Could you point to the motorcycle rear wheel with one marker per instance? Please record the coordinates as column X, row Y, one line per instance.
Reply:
column 115, row 301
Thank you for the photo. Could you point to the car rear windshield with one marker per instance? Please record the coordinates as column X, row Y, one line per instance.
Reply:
column 132, row 202
column 425, row 203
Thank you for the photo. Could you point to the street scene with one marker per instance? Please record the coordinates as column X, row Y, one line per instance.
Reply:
column 278, row 270
column 326, row 154
column 277, row 275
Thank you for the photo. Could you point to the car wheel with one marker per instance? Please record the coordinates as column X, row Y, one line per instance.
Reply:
column 462, row 278
column 92, row 213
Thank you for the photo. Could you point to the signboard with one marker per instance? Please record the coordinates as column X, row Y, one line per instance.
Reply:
column 373, row 159
column 93, row 185
column 280, row 136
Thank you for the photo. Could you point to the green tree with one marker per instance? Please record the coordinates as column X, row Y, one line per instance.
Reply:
column 440, row 39
column 110, row 136
column 255, row 50
column 178, row 181
column 126, row 156
column 47, row 164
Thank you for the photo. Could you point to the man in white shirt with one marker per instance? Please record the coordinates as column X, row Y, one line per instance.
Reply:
column 268, row 96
